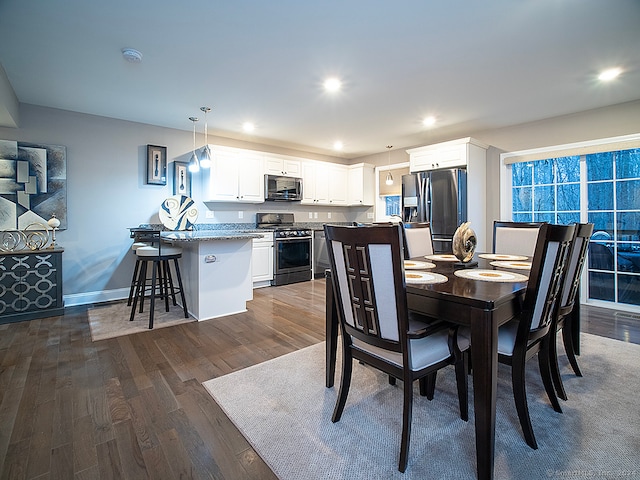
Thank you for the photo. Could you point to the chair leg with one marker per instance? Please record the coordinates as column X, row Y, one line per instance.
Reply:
column 545, row 372
column 428, row 385
column 555, row 368
column 165, row 278
column 139, row 290
column 463, row 386
column 345, row 383
column 520, row 397
column 153, row 293
column 134, row 282
column 569, row 347
column 182, row 297
column 407, row 411
column 392, row 380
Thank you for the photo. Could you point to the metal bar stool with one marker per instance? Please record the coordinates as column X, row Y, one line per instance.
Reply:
column 162, row 285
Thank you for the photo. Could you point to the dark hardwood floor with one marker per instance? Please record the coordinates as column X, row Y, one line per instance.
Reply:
column 133, row 407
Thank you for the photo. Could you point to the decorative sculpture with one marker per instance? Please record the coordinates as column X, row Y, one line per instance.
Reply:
column 464, row 242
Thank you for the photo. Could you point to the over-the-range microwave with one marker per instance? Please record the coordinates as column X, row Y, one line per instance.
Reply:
column 286, row 189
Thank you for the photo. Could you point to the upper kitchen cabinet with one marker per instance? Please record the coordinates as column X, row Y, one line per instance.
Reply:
column 455, row 153
column 324, row 183
column 361, row 186
column 285, row 166
column 236, row 176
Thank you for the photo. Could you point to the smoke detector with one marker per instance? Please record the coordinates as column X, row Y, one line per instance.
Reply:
column 131, row 55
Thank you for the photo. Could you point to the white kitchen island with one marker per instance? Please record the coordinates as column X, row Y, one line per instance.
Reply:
column 216, row 271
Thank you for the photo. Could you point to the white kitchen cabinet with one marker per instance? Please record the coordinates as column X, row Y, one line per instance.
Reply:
column 236, row 176
column 324, row 184
column 262, row 261
column 361, row 187
column 280, row 165
column 455, row 153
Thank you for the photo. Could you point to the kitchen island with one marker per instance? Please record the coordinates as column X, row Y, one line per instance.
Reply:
column 216, row 270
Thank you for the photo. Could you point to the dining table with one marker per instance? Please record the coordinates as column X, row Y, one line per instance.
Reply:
column 482, row 304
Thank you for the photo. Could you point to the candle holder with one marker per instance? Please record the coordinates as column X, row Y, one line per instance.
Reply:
column 54, row 223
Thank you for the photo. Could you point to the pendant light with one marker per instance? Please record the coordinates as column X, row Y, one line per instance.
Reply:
column 389, row 180
column 205, row 160
column 194, row 164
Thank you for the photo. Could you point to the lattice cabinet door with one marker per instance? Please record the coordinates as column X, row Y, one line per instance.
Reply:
column 30, row 285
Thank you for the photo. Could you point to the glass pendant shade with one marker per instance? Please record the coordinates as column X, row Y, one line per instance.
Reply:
column 194, row 164
column 389, row 180
column 205, row 159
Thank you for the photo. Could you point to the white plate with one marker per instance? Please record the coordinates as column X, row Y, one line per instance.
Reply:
column 417, row 265
column 513, row 265
column 178, row 212
column 443, row 257
column 501, row 256
column 491, row 275
column 424, row 277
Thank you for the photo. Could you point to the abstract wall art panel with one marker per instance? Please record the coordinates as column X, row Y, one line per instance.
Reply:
column 33, row 184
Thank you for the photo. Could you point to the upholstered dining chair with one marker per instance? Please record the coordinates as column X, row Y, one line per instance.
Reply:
column 515, row 238
column 418, row 240
column 377, row 329
column 563, row 319
column 529, row 332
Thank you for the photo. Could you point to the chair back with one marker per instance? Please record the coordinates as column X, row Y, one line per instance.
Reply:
column 515, row 238
column 571, row 283
column 418, row 239
column 545, row 281
column 368, row 280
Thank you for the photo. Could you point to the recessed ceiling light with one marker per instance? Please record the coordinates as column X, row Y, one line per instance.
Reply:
column 131, row 55
column 428, row 121
column 248, row 126
column 610, row 74
column 332, row 84
column 338, row 145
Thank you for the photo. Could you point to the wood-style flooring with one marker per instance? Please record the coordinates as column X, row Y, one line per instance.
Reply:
column 133, row 407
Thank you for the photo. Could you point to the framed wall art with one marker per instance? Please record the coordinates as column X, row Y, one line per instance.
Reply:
column 181, row 179
column 156, row 165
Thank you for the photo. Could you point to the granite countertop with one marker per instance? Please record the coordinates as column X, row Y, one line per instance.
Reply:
column 204, row 235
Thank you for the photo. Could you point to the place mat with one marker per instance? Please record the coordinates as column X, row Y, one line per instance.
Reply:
column 501, row 256
column 417, row 265
column 424, row 278
column 443, row 257
column 491, row 275
column 513, row 265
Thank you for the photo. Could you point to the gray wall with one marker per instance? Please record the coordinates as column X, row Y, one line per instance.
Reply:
column 107, row 194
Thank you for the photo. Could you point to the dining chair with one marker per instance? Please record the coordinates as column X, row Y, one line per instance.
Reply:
column 418, row 240
column 377, row 329
column 563, row 318
column 529, row 332
column 515, row 238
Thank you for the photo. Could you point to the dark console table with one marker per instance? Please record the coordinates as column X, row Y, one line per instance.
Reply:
column 30, row 284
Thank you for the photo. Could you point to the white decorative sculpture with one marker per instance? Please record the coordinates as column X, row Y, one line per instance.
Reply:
column 464, row 242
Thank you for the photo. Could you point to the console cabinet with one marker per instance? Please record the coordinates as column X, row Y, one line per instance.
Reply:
column 30, row 285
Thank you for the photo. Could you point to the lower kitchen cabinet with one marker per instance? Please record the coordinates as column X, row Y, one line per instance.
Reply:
column 30, row 285
column 262, row 261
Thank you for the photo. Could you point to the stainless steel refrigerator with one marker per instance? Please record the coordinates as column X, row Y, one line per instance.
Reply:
column 438, row 197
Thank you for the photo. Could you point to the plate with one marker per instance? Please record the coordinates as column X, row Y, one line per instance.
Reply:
column 417, row 265
column 178, row 212
column 424, row 277
column 449, row 257
column 491, row 275
column 501, row 256
column 513, row 265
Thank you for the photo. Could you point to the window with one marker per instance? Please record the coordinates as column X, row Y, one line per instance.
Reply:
column 391, row 205
column 602, row 188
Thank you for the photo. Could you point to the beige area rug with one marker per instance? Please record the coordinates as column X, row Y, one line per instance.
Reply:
column 112, row 320
column 284, row 410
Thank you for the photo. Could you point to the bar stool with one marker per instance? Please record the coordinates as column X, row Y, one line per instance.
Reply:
column 161, row 279
column 134, row 278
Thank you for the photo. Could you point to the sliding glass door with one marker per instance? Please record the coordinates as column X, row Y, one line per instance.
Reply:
column 601, row 188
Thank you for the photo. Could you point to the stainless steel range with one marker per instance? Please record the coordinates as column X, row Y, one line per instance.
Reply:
column 292, row 248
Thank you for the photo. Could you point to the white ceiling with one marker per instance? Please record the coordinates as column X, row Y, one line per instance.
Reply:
column 475, row 65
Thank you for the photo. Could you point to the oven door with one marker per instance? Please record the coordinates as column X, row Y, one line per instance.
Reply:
column 292, row 260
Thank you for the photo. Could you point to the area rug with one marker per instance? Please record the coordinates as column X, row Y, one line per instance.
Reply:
column 112, row 320
column 284, row 410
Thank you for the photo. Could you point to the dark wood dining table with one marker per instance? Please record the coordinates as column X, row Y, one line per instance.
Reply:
column 481, row 305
